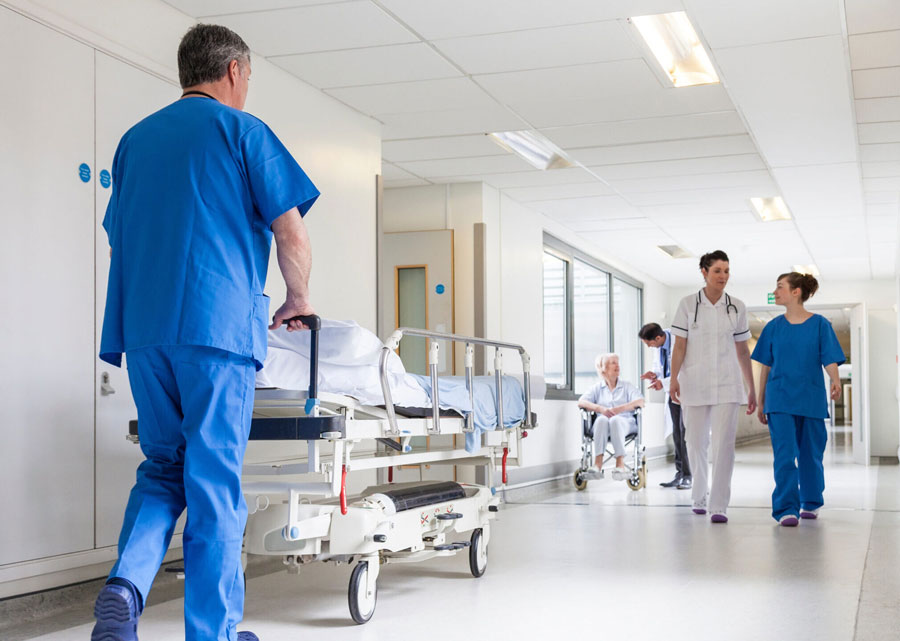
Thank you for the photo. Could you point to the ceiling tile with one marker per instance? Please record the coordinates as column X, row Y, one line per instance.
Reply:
column 875, row 153
column 883, row 228
column 881, row 169
column 368, row 66
column 612, row 225
column 524, row 178
column 440, row 148
column 881, row 184
column 872, row 50
column 737, row 23
column 393, row 172
column 621, row 104
column 206, row 8
column 323, row 27
column 554, row 192
column 541, row 48
column 624, row 132
column 674, row 220
column 411, row 97
column 595, row 208
column 876, row 83
column 760, row 180
column 669, row 150
column 449, row 123
column 878, row 132
column 880, row 210
column 864, row 16
column 597, row 81
column 460, row 166
column 882, row 197
column 731, row 199
column 437, row 19
column 797, row 107
column 821, row 191
column 745, row 162
column 674, row 210
column 878, row 109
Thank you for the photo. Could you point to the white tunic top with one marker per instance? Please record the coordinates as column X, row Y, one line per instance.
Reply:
column 710, row 373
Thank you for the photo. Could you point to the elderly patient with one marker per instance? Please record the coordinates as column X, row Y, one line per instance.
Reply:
column 614, row 401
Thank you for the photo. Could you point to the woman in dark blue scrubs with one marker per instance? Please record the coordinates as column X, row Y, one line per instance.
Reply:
column 793, row 402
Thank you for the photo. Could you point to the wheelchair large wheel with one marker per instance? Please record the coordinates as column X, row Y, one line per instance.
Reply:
column 362, row 603
column 638, row 480
column 580, row 481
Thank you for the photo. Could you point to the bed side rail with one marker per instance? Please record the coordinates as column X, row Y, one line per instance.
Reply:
column 393, row 342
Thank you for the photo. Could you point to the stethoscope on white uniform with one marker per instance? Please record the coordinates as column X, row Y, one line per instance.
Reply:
column 728, row 307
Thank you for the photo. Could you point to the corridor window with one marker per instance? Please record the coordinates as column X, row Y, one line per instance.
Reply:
column 556, row 332
column 627, row 314
column 589, row 309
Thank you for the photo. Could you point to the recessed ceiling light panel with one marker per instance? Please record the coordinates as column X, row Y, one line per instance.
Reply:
column 807, row 269
column 674, row 43
column 675, row 251
column 536, row 149
column 769, row 209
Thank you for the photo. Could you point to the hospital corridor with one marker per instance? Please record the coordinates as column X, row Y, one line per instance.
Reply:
column 407, row 319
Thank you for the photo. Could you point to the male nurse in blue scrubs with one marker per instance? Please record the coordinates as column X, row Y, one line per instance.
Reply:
column 199, row 189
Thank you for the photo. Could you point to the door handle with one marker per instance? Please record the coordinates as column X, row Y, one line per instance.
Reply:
column 105, row 388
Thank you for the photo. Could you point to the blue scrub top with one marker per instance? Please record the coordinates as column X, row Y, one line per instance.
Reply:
column 196, row 187
column 797, row 354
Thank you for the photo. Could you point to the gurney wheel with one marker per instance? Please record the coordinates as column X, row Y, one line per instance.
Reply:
column 478, row 554
column 639, row 480
column 362, row 605
column 580, row 482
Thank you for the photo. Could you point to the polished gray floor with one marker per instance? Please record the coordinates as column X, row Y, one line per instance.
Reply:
column 611, row 563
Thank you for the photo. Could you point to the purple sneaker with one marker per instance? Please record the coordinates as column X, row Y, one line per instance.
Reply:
column 699, row 510
column 809, row 514
column 719, row 518
column 788, row 520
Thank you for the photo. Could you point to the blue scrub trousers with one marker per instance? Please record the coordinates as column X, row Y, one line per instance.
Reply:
column 194, row 407
column 797, row 439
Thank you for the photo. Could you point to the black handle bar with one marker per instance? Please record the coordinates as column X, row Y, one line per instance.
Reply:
column 314, row 323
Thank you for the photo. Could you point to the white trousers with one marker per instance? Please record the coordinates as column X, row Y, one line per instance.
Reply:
column 720, row 421
column 615, row 429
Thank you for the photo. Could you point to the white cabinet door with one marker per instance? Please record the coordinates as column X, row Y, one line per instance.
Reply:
column 125, row 95
column 47, row 284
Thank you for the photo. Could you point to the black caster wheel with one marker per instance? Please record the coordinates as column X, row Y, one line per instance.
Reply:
column 478, row 553
column 362, row 603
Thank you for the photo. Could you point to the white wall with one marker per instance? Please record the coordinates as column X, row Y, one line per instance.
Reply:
column 880, row 297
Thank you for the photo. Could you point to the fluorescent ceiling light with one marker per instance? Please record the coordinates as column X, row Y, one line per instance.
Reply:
column 675, row 251
column 675, row 45
column 534, row 148
column 769, row 209
column 807, row 269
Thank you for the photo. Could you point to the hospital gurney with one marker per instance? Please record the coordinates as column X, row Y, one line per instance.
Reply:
column 301, row 511
column 637, row 470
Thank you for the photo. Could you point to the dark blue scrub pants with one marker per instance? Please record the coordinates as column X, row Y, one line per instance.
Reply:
column 797, row 439
column 194, row 407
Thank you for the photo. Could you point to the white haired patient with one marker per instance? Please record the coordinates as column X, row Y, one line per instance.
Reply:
column 614, row 401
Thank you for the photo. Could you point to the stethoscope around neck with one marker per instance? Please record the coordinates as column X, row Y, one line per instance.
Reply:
column 728, row 307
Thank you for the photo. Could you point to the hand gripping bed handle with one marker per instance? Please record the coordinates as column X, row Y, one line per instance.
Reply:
column 314, row 323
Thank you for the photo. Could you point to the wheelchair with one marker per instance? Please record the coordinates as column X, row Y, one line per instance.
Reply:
column 637, row 470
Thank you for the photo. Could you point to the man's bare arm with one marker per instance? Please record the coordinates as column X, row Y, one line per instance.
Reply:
column 294, row 255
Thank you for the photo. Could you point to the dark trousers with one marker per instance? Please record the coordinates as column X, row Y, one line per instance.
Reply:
column 682, row 465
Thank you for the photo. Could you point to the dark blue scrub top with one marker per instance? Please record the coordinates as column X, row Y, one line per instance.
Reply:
column 797, row 354
column 196, row 187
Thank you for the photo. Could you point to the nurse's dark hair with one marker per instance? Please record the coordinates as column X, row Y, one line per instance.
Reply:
column 807, row 283
column 650, row 331
column 706, row 260
column 205, row 52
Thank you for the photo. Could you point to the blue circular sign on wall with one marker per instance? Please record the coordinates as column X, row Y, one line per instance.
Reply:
column 84, row 172
column 439, row 289
column 105, row 179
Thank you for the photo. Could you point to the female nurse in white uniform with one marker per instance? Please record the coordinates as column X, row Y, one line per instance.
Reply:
column 708, row 361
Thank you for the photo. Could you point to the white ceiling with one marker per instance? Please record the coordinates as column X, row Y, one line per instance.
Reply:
column 808, row 109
